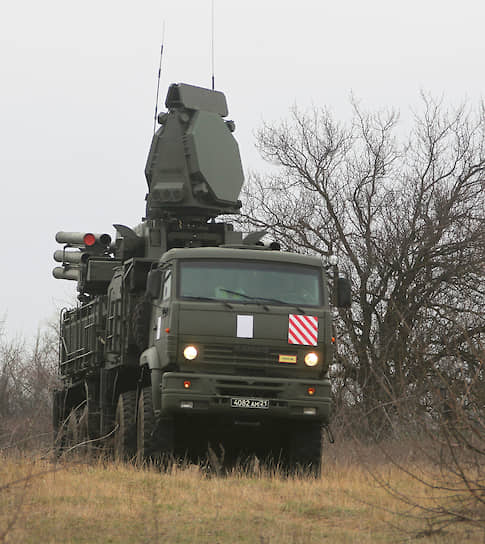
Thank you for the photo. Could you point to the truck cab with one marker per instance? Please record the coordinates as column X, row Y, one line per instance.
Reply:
column 240, row 337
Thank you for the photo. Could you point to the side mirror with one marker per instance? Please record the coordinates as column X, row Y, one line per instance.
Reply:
column 344, row 295
column 154, row 283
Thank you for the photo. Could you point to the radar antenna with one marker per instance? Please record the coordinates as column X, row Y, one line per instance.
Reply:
column 212, row 44
column 158, row 81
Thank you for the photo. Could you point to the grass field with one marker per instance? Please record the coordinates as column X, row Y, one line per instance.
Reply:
column 104, row 502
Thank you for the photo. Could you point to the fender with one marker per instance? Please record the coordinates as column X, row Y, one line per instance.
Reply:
column 150, row 358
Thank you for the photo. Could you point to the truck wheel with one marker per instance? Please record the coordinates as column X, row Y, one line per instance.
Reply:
column 140, row 326
column 125, row 426
column 154, row 442
column 306, row 449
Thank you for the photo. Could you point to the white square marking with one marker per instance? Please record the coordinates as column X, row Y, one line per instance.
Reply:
column 245, row 326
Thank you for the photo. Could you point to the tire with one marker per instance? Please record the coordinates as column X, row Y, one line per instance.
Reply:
column 155, row 443
column 66, row 437
column 305, row 449
column 125, row 427
column 140, row 327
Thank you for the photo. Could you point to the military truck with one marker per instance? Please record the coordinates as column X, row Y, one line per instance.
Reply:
column 189, row 335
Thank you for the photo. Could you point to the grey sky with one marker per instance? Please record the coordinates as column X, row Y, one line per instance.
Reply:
column 78, row 85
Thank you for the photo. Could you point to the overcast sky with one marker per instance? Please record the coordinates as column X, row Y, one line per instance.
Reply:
column 78, row 83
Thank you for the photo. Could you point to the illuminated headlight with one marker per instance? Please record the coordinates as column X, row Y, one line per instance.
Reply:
column 311, row 359
column 190, row 352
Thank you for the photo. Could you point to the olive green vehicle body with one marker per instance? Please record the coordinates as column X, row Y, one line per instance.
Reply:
column 171, row 282
column 229, row 366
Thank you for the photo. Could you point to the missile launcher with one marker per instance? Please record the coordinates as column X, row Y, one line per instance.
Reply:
column 186, row 332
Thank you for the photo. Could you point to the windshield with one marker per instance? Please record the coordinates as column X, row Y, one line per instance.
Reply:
column 247, row 282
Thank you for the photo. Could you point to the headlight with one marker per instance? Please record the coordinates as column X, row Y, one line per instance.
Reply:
column 190, row 352
column 311, row 359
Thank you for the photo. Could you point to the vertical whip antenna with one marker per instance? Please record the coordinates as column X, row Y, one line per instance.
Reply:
column 158, row 81
column 212, row 44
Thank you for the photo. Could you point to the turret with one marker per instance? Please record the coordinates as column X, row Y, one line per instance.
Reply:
column 194, row 174
column 194, row 167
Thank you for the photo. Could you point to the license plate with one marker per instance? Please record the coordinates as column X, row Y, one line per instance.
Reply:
column 249, row 403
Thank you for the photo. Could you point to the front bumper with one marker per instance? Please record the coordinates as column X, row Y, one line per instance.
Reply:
column 212, row 394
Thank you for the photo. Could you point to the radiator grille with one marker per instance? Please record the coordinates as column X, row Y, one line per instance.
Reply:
column 240, row 355
column 244, row 360
column 247, row 388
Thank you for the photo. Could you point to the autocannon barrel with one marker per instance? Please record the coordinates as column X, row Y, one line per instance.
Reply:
column 83, row 238
column 61, row 273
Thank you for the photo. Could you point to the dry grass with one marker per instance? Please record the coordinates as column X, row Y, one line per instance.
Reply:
column 104, row 502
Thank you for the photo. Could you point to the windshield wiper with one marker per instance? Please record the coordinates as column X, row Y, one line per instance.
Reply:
column 243, row 295
column 281, row 303
column 263, row 299
column 235, row 293
column 209, row 299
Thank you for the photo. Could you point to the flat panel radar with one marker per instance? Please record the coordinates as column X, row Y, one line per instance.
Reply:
column 214, row 156
column 194, row 166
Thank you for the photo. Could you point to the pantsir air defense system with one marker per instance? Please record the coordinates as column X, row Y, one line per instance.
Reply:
column 187, row 333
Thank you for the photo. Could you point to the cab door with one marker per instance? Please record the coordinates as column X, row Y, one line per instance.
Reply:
column 163, row 307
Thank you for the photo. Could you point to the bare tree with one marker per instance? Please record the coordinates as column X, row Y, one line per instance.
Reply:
column 11, row 352
column 443, row 449
column 407, row 220
column 27, row 377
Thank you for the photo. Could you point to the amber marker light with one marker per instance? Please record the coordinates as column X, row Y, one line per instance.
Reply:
column 167, row 330
column 311, row 391
column 190, row 352
column 311, row 359
column 187, row 384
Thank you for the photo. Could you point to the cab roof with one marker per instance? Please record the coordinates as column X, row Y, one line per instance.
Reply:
column 248, row 254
